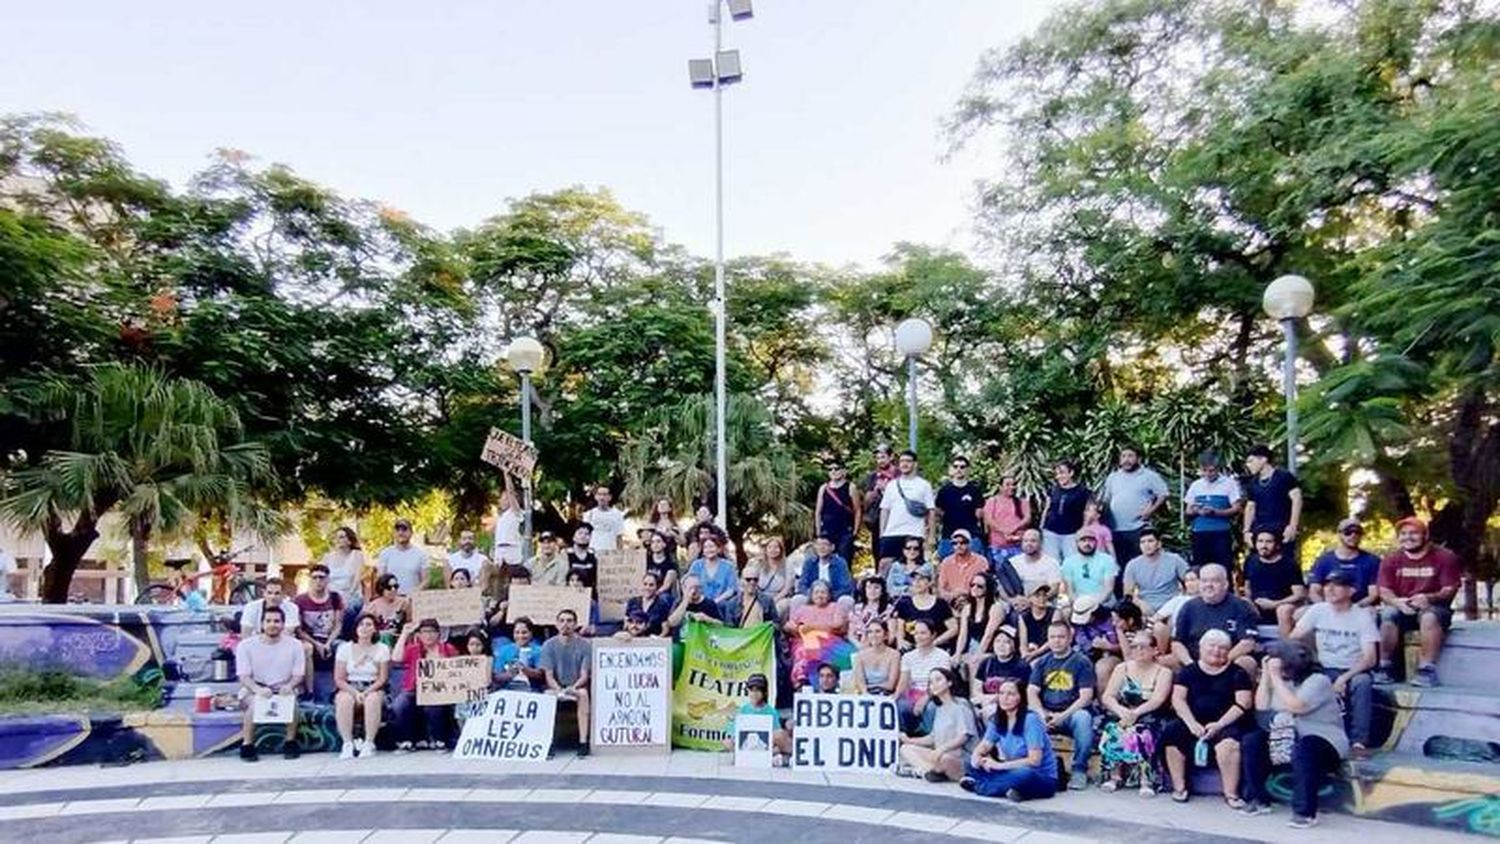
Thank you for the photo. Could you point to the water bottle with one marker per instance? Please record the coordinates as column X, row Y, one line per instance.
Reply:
column 1200, row 753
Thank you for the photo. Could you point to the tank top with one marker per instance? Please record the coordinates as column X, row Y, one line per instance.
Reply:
column 838, row 510
column 876, row 676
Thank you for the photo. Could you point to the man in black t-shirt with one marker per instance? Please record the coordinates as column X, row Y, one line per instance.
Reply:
column 960, row 505
column 1273, row 497
column 1215, row 608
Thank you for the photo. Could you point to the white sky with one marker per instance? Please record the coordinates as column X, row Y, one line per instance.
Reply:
column 447, row 109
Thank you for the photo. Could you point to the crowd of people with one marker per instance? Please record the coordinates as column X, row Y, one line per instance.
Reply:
column 1014, row 635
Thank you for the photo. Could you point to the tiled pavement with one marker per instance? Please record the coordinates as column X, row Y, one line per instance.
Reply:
column 424, row 797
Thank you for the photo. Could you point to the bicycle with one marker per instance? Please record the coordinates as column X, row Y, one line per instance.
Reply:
column 229, row 583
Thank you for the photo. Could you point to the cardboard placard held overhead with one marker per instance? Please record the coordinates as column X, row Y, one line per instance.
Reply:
column 509, row 453
column 451, row 607
column 541, row 603
column 619, row 580
column 454, row 679
column 631, row 695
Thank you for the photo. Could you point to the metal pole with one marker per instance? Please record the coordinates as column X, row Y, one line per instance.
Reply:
column 526, row 481
column 721, row 314
column 1289, row 389
column 911, row 402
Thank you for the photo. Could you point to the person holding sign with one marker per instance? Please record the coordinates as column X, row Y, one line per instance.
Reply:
column 939, row 755
column 517, row 661
column 757, row 687
column 360, row 671
column 565, row 665
column 427, row 644
column 269, row 665
column 1015, row 757
column 652, row 604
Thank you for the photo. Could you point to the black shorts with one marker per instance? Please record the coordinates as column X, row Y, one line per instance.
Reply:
column 1176, row 734
column 890, row 546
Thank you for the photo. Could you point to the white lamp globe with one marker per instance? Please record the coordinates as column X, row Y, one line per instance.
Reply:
column 1288, row 297
column 525, row 354
column 913, row 337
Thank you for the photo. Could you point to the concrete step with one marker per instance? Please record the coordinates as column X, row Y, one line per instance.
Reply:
column 1444, row 722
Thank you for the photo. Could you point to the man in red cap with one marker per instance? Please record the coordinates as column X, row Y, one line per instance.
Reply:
column 1417, row 585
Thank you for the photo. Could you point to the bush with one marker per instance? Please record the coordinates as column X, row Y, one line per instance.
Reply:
column 37, row 692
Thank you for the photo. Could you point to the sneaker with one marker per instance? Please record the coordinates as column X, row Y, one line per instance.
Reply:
column 438, row 745
column 421, row 745
column 249, row 753
column 1255, row 808
column 403, row 747
column 1382, row 675
column 779, row 760
column 347, row 752
column 1109, row 786
column 1300, row 822
column 583, row 750
column 364, row 749
column 1359, row 753
column 1078, row 782
column 1147, row 791
column 291, row 750
column 1013, row 795
column 1426, row 677
column 967, row 784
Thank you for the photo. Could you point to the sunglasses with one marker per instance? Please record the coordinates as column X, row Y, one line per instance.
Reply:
column 1351, row 531
column 976, row 585
column 912, row 548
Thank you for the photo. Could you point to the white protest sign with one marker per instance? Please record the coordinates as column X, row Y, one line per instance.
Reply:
column 845, row 733
column 509, row 726
column 619, row 580
column 454, row 679
column 508, row 452
column 752, row 740
column 274, row 709
column 451, row 607
column 631, row 695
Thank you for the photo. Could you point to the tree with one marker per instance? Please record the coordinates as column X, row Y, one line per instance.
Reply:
column 159, row 450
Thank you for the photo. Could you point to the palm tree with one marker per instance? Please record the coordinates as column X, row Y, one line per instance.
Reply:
column 160, row 450
column 673, row 457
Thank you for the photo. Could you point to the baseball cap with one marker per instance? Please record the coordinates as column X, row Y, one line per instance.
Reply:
column 962, row 532
column 1340, row 577
column 1351, row 522
column 757, row 681
column 1083, row 609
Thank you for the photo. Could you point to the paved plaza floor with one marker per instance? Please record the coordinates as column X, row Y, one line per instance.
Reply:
column 425, row 797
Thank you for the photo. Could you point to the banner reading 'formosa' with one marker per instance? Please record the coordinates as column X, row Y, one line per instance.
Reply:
column 716, row 662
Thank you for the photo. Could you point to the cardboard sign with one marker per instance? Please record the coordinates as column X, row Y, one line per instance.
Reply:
column 619, row 580
column 275, row 709
column 509, row 453
column 541, row 603
column 631, row 695
column 845, row 733
column 451, row 607
column 509, row 726
column 454, row 679
column 752, row 740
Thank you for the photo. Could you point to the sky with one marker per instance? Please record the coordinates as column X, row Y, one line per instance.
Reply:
column 833, row 145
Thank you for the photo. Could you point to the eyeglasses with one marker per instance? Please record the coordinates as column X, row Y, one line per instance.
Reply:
column 1351, row 531
column 976, row 585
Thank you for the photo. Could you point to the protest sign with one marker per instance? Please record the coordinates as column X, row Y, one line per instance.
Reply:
column 454, row 679
column 631, row 695
column 541, row 603
column 716, row 662
column 752, row 740
column 505, row 451
column 619, row 580
column 509, row 726
column 274, row 709
column 845, row 733
column 451, row 607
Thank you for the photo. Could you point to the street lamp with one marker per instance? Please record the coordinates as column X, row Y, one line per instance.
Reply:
column 913, row 337
column 723, row 69
column 1288, row 299
column 527, row 357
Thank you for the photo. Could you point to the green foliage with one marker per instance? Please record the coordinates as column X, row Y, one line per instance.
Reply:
column 47, row 692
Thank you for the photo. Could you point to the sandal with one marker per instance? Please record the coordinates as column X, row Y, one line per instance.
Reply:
column 1234, row 802
column 1109, row 786
column 1179, row 797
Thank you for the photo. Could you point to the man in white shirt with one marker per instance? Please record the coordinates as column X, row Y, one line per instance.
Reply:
column 906, row 511
column 405, row 560
column 608, row 523
column 467, row 558
column 1034, row 568
column 272, row 596
column 1347, row 643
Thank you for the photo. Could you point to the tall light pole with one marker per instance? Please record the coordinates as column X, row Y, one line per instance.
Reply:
column 913, row 338
column 527, row 357
column 1288, row 299
column 723, row 69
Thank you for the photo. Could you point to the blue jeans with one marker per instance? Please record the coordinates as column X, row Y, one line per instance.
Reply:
column 913, row 722
column 1059, row 545
column 1359, row 699
column 1030, row 783
column 1080, row 725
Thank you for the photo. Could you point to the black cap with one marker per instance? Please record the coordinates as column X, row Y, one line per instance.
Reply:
column 1340, row 577
column 403, row 523
column 638, row 616
column 758, row 681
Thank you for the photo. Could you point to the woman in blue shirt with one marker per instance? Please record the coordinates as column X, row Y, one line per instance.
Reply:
column 715, row 573
column 1015, row 758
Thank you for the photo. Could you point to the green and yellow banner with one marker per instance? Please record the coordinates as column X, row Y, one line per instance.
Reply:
column 716, row 662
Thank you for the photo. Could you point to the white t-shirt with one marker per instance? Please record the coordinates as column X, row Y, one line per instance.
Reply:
column 1340, row 636
column 1168, row 611
column 467, row 562
column 409, row 565
column 364, row 667
column 250, row 618
column 607, row 525
column 919, row 665
column 1044, row 571
column 901, row 522
column 508, row 537
column 344, row 571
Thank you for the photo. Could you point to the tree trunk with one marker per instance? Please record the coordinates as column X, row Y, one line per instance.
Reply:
column 1474, row 463
column 68, row 548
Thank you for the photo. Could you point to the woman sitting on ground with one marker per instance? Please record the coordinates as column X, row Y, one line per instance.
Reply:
column 939, row 755
column 876, row 666
column 816, row 633
column 1004, row 662
column 1015, row 758
column 1211, row 698
column 1290, row 683
column 360, row 670
column 980, row 614
column 1135, row 704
